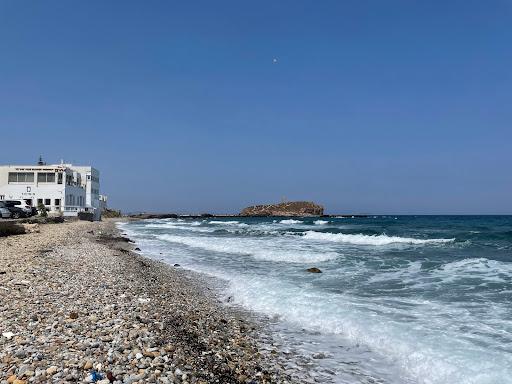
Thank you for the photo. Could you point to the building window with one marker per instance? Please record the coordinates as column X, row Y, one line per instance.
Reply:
column 57, row 202
column 21, row 177
column 39, row 201
column 2, row 197
column 59, row 178
column 47, row 202
column 43, row 177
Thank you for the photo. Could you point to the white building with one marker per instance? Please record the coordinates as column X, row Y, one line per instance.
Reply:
column 103, row 202
column 61, row 188
column 90, row 180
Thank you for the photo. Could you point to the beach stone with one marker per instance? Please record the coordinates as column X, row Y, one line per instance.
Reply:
column 51, row 370
column 22, row 370
column 29, row 373
column 73, row 315
column 88, row 365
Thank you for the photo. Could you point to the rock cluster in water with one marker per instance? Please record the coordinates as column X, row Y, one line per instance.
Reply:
column 293, row 208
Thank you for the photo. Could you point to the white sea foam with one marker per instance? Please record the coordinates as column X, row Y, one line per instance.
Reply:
column 193, row 226
column 482, row 268
column 361, row 239
column 291, row 221
column 321, row 222
column 232, row 222
column 423, row 353
column 259, row 249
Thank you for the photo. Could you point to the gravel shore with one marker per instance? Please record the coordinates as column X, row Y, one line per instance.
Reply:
column 77, row 305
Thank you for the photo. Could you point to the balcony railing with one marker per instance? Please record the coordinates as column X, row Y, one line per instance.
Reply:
column 77, row 208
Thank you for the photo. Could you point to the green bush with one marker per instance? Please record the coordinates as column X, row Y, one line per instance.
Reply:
column 42, row 210
column 111, row 213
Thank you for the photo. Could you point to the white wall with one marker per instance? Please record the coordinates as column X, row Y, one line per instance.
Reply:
column 44, row 191
column 90, row 180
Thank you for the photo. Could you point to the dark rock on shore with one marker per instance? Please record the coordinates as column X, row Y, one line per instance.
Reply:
column 293, row 208
column 314, row 270
column 10, row 228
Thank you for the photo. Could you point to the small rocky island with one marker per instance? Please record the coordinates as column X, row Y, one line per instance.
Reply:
column 292, row 208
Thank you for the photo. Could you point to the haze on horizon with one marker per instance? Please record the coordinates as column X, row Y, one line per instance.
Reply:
column 378, row 107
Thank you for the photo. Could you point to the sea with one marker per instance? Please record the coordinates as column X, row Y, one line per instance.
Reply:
column 400, row 299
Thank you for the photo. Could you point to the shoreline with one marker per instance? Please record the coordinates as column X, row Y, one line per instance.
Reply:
column 150, row 216
column 76, row 298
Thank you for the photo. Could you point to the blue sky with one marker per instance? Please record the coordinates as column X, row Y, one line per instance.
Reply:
column 372, row 106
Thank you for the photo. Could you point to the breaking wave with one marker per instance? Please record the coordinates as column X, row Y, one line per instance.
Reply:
column 291, row 221
column 361, row 239
column 237, row 223
column 258, row 249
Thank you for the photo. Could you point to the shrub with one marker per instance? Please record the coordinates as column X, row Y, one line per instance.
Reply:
column 42, row 210
column 110, row 213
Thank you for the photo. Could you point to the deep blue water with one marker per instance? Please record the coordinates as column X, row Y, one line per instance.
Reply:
column 401, row 299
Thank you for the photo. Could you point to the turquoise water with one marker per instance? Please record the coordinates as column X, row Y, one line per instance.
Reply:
column 402, row 299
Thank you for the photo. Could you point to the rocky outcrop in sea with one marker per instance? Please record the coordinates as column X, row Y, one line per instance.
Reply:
column 293, row 208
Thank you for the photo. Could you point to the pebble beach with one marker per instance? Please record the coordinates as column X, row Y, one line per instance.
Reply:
column 78, row 305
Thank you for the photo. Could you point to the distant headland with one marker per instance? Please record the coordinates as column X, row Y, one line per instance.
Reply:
column 292, row 208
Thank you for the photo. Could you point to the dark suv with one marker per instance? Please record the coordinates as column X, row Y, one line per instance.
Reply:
column 16, row 212
column 22, row 204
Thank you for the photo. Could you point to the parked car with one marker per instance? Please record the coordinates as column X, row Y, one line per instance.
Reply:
column 22, row 204
column 15, row 212
column 4, row 213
